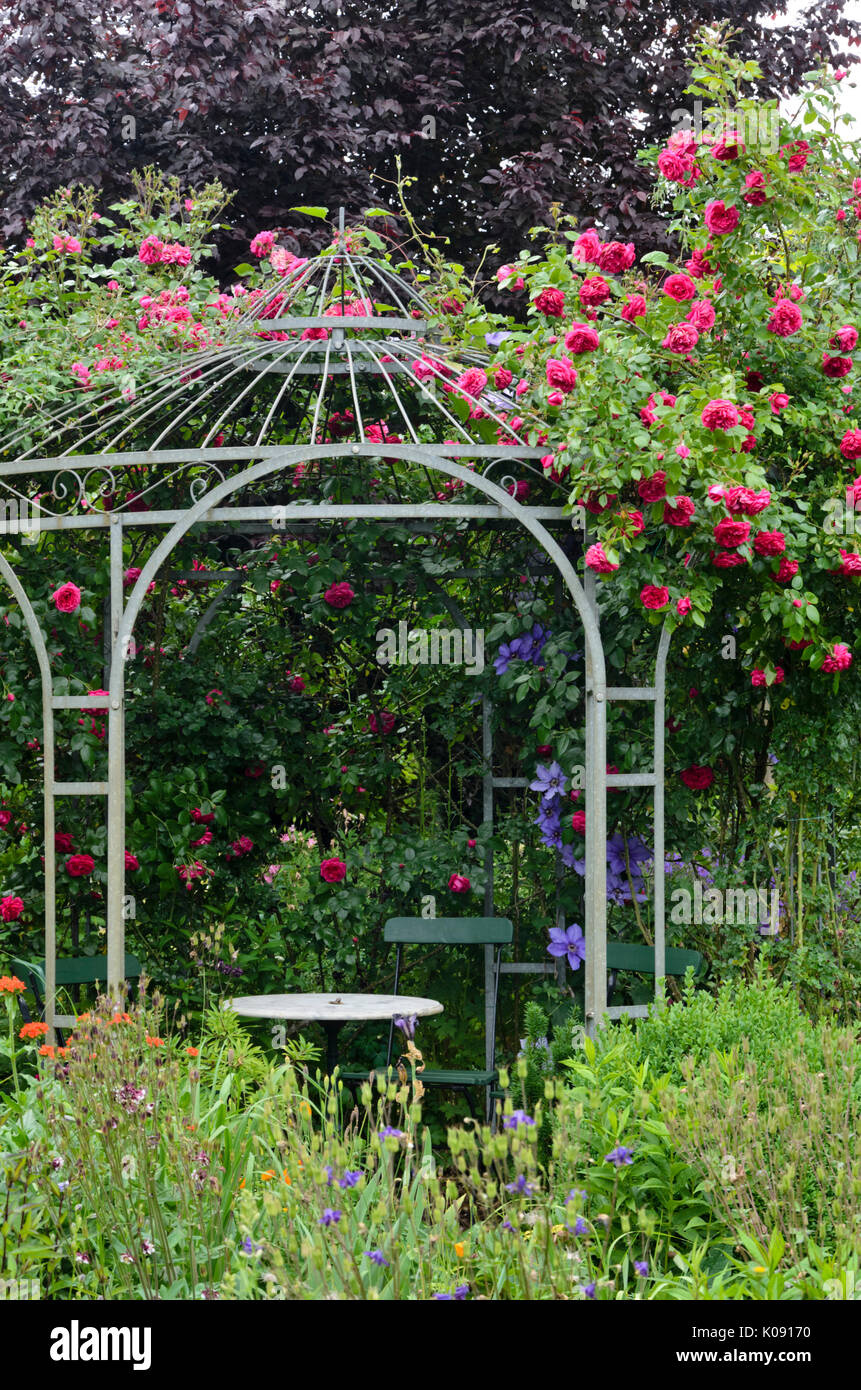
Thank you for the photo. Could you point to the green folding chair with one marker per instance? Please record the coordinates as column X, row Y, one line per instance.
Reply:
column 449, row 931
column 624, row 955
column 70, row 970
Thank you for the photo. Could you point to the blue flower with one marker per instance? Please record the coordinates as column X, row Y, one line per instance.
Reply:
column 642, row 1267
column 516, row 1119
column 570, row 942
column 407, row 1024
column 620, row 1156
column 521, row 1185
column 377, row 1257
column 329, row 1217
column 588, row 1290
column 581, row 1227
column 550, row 781
column 389, row 1132
column 349, row 1179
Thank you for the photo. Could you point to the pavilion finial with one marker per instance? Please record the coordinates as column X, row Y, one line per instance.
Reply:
column 341, row 224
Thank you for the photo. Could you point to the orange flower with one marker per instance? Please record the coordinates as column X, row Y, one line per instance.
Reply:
column 193, row 1051
column 270, row 1173
column 33, row 1030
column 242, row 1183
column 62, row 1051
column 10, row 983
column 287, row 1178
column 155, row 1042
column 458, row 1249
column 82, row 1018
column 120, row 1018
column 46, row 1051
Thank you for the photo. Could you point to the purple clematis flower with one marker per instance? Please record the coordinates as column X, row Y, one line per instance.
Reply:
column 570, row 942
column 550, row 781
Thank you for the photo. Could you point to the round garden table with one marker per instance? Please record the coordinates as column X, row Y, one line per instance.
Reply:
column 333, row 1011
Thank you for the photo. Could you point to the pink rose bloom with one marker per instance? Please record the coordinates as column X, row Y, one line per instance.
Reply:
column 501, row 378
column 581, row 338
column 131, row 862
column 701, row 314
column 594, row 291
column 787, row 570
column 386, row 723
column 596, row 560
column 850, row 562
column 728, row 146
column 730, row 534
column 697, row 778
column 205, row 839
column 727, row 559
column 616, row 256
column 680, row 288
column 505, row 274
column 674, row 166
column 175, row 254
column 472, row 382
column 785, row 318
column 333, row 870
column 845, row 338
column 683, row 451
column 720, row 415
column 561, row 374
column 634, row 307
column 555, row 398
column 262, row 244
column 339, row 595
column 655, row 596
column 683, row 606
column 680, row 513
column 850, row 444
column 67, row 598
column 770, row 543
column 11, row 909
column 150, row 250
column 720, row 219
column 681, row 337
column 743, row 501
column 755, row 183
column 798, row 158
column 550, row 302
column 779, row 401
column 698, row 266
column 836, row 367
column 587, row 248
column 458, row 883
column 578, row 822
column 653, row 489
column 297, row 685
column 840, row 658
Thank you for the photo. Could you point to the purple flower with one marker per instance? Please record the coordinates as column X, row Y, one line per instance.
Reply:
column 389, row 1132
column 248, row 1247
column 521, row 1185
column 494, row 339
column 329, row 1217
column 459, row 1295
column 377, row 1257
column 620, row 1156
column 407, row 1024
column 588, row 1290
column 642, row 1267
column 349, row 1179
column 507, row 1226
column 550, row 781
column 581, row 1227
column 516, row 1119
column 570, row 942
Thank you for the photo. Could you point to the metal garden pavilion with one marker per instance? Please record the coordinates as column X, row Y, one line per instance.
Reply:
column 342, row 322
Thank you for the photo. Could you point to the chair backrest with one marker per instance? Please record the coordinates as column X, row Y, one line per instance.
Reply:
column 449, row 931
column 624, row 955
column 77, row 970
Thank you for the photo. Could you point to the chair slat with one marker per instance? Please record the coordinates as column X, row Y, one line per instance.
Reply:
column 449, row 931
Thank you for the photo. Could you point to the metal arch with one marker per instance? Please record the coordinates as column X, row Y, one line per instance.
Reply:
column 37, row 637
column 596, row 710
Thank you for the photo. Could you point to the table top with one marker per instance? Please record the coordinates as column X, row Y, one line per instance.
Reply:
column 332, row 1008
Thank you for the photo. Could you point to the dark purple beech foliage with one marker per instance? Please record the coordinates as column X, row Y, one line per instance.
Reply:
column 498, row 108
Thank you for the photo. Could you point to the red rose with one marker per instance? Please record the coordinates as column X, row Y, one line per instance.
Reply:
column 731, row 533
column 785, row 319
column 850, row 444
column 788, row 570
column 67, row 598
column 680, row 287
column 654, row 488
column 845, row 338
column 63, row 842
column 720, row 219
column 770, row 543
column 680, row 513
column 458, row 884
column 634, row 307
column 720, row 415
column 197, row 815
column 561, row 374
column 836, row 367
column 594, row 291
column 339, row 595
column 333, row 870
column 683, row 607
column 850, row 562
column 698, row 266
column 616, row 256
column 581, row 338
column 697, row 778
column 655, row 596
column 80, row 865
column 578, row 822
column 702, row 315
column 131, row 862
column 387, row 719
column 11, row 909
column 744, row 501
column 681, row 337
column 596, row 560
column 727, row 559
column 550, row 302
column 755, row 184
